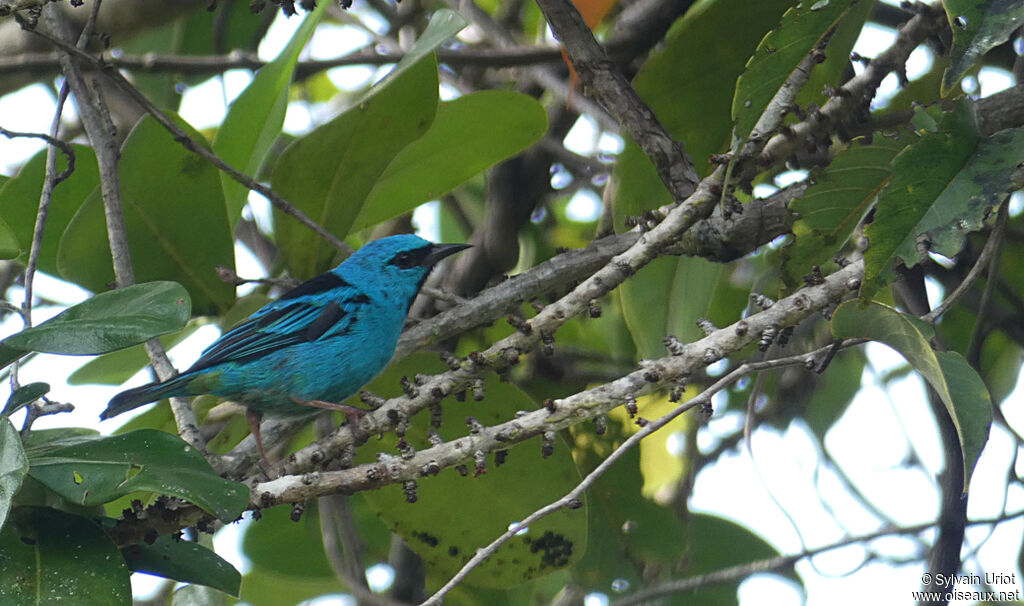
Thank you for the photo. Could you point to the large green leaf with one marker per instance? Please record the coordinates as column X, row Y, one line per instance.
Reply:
column 174, row 213
column 117, row 367
column 837, row 201
column 468, row 135
column 803, row 27
column 505, row 494
column 921, row 173
column 183, row 561
column 978, row 26
column 110, row 321
column 19, row 201
column 329, row 172
column 254, row 119
column 13, row 466
column 97, row 470
column 689, row 84
column 51, row 557
column 288, row 559
column 957, row 384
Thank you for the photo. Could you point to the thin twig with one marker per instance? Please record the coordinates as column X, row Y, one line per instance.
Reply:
column 994, row 248
column 63, row 146
column 986, row 254
column 50, row 181
column 605, row 82
column 505, row 56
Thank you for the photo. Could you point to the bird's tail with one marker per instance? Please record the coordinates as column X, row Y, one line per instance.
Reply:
column 151, row 392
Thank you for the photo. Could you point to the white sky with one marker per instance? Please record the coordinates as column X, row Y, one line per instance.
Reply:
column 786, row 465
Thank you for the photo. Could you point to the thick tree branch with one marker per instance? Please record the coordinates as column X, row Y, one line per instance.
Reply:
column 606, row 83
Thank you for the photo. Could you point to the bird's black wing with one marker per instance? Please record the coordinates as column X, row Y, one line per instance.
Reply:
column 321, row 306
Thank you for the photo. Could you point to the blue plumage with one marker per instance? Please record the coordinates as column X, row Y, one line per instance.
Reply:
column 317, row 344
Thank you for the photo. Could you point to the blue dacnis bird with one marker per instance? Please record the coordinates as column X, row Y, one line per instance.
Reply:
column 315, row 345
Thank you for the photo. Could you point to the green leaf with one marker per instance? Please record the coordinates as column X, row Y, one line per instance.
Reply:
column 504, row 494
column 983, row 183
column 95, row 471
column 836, row 203
column 110, row 321
column 444, row 23
column 689, row 84
column 254, row 120
column 288, row 559
column 277, row 544
column 715, row 543
column 117, row 367
column 957, row 384
column 13, row 467
column 328, row 173
column 25, row 395
column 51, row 557
column 19, row 201
column 468, row 135
column 802, row 28
column 183, row 561
column 175, row 217
column 973, row 406
column 9, row 354
column 921, row 173
column 978, row 26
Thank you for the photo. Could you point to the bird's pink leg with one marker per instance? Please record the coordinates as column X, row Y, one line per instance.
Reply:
column 254, row 418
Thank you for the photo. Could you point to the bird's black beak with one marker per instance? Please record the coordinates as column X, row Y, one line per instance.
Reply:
column 440, row 251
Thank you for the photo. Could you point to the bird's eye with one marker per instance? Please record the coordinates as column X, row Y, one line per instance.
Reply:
column 404, row 260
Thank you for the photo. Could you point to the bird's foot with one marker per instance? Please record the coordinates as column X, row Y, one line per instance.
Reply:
column 352, row 413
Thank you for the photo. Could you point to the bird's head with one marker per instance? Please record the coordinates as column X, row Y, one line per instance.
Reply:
column 398, row 263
